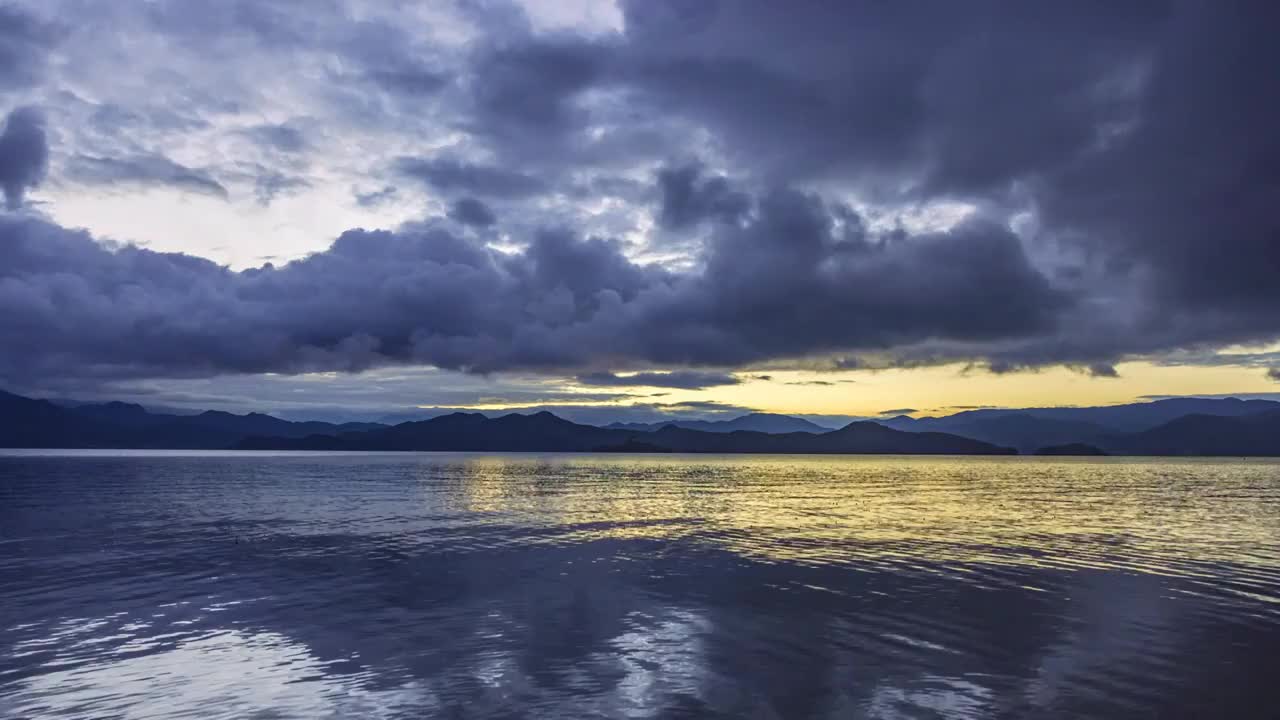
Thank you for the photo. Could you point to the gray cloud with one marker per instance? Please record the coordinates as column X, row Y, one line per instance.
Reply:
column 24, row 154
column 377, row 197
column 1102, row 370
column 455, row 175
column 688, row 198
column 409, row 80
column 524, row 92
column 1117, row 162
column 470, row 211
column 282, row 138
column 269, row 185
column 898, row 411
column 1273, row 374
column 25, row 42
column 424, row 295
column 144, row 170
column 682, row 379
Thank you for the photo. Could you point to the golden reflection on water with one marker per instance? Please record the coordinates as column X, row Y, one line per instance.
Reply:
column 1158, row 515
column 393, row 585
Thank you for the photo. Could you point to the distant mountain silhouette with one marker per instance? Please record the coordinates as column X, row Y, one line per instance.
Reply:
column 25, row 422
column 1230, row 427
column 546, row 432
column 1021, row 430
column 461, row 432
column 861, row 437
column 756, row 422
column 1031, row 428
column 1071, row 449
column 29, row 423
column 1241, row 436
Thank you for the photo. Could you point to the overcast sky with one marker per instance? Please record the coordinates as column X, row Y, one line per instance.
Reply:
column 323, row 207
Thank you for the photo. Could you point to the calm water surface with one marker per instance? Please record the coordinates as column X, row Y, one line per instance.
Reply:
column 508, row 586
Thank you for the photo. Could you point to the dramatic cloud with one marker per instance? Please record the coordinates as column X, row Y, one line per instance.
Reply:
column 708, row 185
column 682, row 379
column 424, row 295
column 1102, row 370
column 24, row 44
column 143, row 170
column 486, row 180
column 470, row 211
column 24, row 154
column 688, row 198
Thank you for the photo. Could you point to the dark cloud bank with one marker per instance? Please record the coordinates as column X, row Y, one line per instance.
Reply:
column 1120, row 160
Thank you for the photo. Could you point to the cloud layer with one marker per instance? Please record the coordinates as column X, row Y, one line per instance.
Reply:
column 709, row 186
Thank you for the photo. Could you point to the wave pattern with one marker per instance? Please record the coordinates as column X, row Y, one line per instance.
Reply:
column 224, row 585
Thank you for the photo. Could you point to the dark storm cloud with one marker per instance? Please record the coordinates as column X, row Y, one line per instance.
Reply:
column 147, row 170
column 424, row 295
column 1184, row 194
column 24, row 154
column 803, row 277
column 825, row 89
column 688, row 197
column 1102, row 370
column 470, row 211
column 1137, row 135
column 456, row 175
column 681, row 379
column 24, row 46
column 1131, row 146
column 525, row 92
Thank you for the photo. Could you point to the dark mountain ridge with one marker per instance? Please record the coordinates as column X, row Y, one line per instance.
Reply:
column 1205, row 435
column 1031, row 428
column 545, row 432
column 1234, row 429
column 757, row 422
column 26, row 422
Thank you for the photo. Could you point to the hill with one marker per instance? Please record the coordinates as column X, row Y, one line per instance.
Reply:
column 31, row 423
column 1078, row 449
column 1249, row 435
column 755, row 422
column 544, row 432
column 1031, row 428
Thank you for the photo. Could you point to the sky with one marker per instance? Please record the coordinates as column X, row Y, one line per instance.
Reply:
column 641, row 209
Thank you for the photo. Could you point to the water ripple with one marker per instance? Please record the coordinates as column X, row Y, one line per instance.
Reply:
column 169, row 585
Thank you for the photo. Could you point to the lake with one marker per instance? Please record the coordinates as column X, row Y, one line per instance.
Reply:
column 253, row 585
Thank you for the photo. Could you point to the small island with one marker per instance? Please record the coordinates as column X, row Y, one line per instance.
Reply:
column 1078, row 449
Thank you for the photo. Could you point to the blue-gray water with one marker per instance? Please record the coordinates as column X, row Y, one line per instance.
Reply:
column 437, row 585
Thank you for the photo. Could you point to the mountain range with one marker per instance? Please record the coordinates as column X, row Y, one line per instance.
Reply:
column 544, row 431
column 755, row 422
column 1177, row 426
column 1029, row 429
column 31, row 423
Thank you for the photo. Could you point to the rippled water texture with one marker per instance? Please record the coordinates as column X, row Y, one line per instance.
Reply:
column 368, row 586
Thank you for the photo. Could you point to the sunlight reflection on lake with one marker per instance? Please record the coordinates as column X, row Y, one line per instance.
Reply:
column 138, row 585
